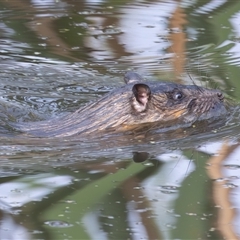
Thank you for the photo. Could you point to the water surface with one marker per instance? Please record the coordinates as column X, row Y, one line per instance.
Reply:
column 56, row 56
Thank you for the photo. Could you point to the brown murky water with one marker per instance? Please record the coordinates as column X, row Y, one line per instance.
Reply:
column 56, row 55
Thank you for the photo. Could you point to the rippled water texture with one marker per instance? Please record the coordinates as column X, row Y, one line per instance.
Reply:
column 57, row 55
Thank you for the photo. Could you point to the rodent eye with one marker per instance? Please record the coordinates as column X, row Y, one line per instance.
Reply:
column 177, row 95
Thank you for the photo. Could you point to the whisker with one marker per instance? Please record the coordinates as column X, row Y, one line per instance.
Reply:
column 199, row 88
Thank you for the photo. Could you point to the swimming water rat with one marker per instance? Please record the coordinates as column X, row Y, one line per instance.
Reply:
column 138, row 103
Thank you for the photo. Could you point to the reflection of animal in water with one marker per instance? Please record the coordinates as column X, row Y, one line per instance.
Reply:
column 138, row 103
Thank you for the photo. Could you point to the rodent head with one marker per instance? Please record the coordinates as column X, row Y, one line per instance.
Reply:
column 170, row 101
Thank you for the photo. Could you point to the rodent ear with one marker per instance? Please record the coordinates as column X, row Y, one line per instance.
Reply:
column 142, row 95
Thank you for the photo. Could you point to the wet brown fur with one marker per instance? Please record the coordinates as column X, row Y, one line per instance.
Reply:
column 116, row 110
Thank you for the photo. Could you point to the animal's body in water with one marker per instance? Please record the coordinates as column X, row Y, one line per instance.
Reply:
column 136, row 105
